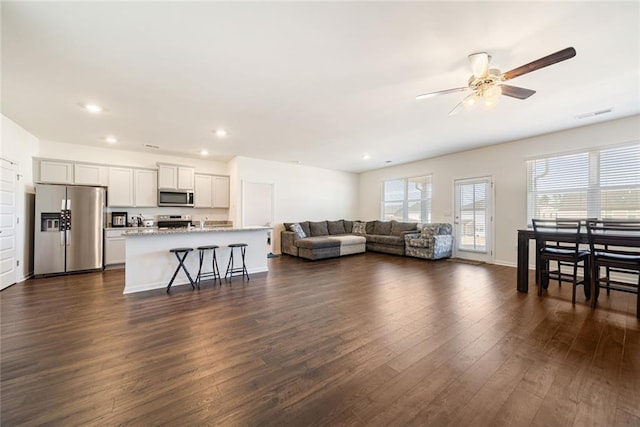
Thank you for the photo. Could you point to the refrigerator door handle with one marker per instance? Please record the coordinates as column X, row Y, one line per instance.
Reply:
column 62, row 233
column 68, row 236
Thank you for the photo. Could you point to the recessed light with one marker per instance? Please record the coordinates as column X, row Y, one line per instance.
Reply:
column 220, row 133
column 204, row 153
column 111, row 139
column 93, row 108
column 365, row 157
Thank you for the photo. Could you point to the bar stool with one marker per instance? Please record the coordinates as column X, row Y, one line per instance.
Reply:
column 180, row 252
column 215, row 273
column 231, row 271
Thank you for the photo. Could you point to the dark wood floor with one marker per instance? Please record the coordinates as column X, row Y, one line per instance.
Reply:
column 361, row 340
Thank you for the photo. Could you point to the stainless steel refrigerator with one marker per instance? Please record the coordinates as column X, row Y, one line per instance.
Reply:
column 69, row 227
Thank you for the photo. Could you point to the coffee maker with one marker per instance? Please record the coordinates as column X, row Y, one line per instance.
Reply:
column 118, row 219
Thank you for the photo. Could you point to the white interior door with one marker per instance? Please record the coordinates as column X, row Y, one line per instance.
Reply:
column 474, row 219
column 8, row 193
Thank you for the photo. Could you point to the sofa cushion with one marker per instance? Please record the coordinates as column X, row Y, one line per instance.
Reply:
column 317, row 243
column 386, row 240
column 382, row 228
column 318, row 228
column 369, row 227
column 336, row 227
column 304, row 225
column 436, row 229
column 348, row 226
column 359, row 228
column 296, row 228
column 398, row 227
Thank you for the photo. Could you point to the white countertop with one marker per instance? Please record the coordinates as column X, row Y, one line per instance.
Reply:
column 141, row 231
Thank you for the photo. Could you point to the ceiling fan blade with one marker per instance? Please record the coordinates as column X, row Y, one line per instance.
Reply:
column 459, row 107
column 554, row 58
column 479, row 64
column 516, row 92
column 442, row 92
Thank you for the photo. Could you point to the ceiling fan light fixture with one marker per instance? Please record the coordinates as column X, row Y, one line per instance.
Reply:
column 471, row 101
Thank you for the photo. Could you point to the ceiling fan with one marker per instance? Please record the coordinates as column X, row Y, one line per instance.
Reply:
column 487, row 84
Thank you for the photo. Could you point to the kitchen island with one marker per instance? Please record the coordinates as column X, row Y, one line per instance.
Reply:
column 150, row 265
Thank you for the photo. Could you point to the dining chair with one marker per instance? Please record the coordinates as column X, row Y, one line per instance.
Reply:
column 559, row 240
column 615, row 247
column 583, row 229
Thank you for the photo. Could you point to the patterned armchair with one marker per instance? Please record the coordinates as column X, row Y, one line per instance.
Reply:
column 435, row 241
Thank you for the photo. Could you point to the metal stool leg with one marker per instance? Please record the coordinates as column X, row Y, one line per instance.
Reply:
column 244, row 266
column 184, row 268
column 216, row 270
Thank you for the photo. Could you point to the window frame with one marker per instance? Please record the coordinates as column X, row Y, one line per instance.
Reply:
column 405, row 201
column 593, row 192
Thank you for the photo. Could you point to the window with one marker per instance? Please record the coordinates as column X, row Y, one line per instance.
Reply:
column 595, row 184
column 407, row 199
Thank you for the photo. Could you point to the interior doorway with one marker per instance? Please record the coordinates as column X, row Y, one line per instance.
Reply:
column 473, row 221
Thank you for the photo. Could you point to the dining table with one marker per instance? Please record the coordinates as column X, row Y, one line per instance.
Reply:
column 524, row 236
column 527, row 234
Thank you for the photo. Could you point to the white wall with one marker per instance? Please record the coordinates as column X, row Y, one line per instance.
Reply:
column 301, row 192
column 19, row 146
column 507, row 164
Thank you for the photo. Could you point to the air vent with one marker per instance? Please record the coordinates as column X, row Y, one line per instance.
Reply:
column 151, row 146
column 594, row 113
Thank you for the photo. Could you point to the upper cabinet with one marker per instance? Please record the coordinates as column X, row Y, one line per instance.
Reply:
column 90, row 174
column 56, row 172
column 120, row 190
column 175, row 177
column 145, row 188
column 132, row 187
column 220, row 192
column 211, row 191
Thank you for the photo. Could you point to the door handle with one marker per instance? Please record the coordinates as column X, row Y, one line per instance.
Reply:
column 62, row 238
column 68, row 237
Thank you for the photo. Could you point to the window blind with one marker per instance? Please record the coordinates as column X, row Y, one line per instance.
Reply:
column 595, row 184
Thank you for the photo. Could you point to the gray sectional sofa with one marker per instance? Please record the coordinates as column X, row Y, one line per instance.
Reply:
column 328, row 239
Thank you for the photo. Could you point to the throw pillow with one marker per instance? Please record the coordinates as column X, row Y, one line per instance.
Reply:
column 296, row 228
column 358, row 228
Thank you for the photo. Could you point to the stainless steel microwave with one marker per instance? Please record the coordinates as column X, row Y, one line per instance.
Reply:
column 175, row 198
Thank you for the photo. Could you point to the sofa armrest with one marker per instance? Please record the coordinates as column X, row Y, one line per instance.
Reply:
column 287, row 240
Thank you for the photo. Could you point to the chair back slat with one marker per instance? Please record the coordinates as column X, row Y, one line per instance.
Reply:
column 615, row 236
column 557, row 233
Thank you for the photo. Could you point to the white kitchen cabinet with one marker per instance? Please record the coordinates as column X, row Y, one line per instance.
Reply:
column 121, row 187
column 174, row 177
column 186, row 178
column 85, row 174
column 56, row 172
column 114, row 247
column 211, row 191
column 220, row 192
column 203, row 191
column 146, row 188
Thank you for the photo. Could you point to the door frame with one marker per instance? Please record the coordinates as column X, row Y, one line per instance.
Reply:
column 14, row 169
column 489, row 255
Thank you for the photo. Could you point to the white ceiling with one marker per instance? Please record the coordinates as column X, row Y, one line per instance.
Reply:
column 322, row 83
